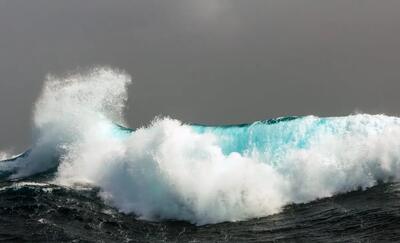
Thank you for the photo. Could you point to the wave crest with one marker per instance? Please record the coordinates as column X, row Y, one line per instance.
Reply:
column 202, row 174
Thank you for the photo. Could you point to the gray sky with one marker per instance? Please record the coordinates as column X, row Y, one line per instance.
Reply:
column 206, row 61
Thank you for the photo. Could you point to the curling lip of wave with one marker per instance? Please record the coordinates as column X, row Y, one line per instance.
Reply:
column 20, row 156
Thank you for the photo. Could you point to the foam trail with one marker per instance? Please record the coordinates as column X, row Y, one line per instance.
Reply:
column 202, row 174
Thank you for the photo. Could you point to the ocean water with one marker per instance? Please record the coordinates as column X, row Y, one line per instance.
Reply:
column 89, row 177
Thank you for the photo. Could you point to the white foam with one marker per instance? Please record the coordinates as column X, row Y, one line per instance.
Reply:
column 67, row 108
column 169, row 171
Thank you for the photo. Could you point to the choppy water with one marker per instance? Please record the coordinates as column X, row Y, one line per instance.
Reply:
column 36, row 212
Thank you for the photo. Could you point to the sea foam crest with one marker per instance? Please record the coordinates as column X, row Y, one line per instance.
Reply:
column 171, row 170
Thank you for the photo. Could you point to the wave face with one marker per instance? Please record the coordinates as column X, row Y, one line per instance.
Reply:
column 201, row 174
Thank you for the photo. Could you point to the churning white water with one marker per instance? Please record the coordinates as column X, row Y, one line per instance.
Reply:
column 172, row 170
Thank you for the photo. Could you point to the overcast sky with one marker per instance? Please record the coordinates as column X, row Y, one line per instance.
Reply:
column 206, row 61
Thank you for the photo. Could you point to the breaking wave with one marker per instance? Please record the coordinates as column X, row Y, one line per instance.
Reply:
column 201, row 174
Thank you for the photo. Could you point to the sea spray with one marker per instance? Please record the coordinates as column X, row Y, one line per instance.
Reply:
column 201, row 174
column 4, row 155
column 69, row 106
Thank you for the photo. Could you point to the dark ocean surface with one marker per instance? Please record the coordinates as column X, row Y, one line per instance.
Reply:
column 34, row 211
